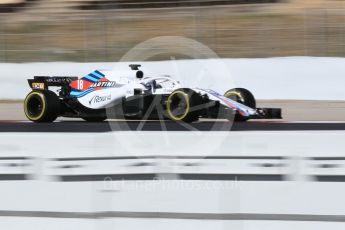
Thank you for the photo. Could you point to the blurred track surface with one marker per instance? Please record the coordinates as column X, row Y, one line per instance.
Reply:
column 96, row 127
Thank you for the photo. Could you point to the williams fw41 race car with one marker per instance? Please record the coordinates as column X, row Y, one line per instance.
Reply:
column 132, row 95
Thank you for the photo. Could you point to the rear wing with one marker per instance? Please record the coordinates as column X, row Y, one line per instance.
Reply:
column 43, row 82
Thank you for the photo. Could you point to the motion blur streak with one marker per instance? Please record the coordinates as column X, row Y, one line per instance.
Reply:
column 60, row 30
column 300, row 157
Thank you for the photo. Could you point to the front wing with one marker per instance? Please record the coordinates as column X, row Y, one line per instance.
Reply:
column 243, row 110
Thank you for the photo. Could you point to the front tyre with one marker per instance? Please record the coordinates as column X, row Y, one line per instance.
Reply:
column 182, row 105
column 242, row 96
column 41, row 106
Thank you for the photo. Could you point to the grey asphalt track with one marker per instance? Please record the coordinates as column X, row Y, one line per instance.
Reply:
column 175, row 215
column 98, row 127
column 312, row 115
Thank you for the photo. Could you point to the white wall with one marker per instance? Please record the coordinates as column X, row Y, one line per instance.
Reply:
column 272, row 78
column 298, row 195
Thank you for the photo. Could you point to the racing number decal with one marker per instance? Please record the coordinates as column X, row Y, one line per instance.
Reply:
column 91, row 82
column 80, row 84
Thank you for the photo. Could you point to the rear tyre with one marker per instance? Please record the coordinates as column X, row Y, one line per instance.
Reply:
column 42, row 106
column 181, row 105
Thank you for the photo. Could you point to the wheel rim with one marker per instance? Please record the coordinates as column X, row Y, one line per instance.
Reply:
column 178, row 105
column 34, row 106
column 235, row 96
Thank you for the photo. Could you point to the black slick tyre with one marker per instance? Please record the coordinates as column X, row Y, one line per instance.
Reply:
column 182, row 105
column 242, row 96
column 42, row 106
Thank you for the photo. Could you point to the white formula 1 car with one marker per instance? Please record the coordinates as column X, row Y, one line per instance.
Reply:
column 132, row 95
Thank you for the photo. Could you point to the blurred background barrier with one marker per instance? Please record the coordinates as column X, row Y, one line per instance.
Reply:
column 278, row 176
column 250, row 156
column 90, row 31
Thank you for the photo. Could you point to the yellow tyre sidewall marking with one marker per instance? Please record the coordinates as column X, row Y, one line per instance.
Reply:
column 228, row 94
column 185, row 96
column 26, row 103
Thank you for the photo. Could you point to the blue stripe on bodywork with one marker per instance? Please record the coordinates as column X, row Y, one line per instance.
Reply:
column 99, row 73
column 90, row 78
column 80, row 94
column 94, row 76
